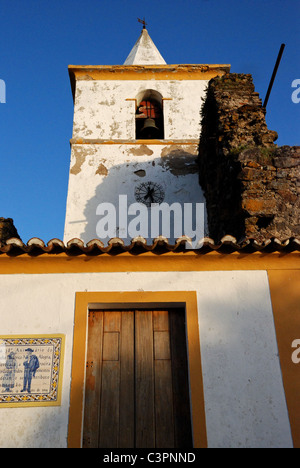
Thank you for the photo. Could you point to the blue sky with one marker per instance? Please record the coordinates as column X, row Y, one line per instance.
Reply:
column 40, row 39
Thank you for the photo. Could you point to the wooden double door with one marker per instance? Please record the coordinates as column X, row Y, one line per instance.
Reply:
column 137, row 393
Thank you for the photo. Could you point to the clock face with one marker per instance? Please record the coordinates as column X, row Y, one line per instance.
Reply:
column 149, row 192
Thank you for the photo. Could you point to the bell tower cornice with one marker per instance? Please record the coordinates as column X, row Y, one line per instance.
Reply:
column 146, row 72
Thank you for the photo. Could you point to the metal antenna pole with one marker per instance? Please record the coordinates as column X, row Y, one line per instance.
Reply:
column 273, row 75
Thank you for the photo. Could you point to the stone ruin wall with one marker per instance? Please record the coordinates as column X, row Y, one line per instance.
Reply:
column 7, row 230
column 252, row 186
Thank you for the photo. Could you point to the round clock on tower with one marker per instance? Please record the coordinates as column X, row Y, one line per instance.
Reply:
column 149, row 192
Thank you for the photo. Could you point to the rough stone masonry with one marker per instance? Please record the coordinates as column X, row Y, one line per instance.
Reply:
column 7, row 230
column 252, row 186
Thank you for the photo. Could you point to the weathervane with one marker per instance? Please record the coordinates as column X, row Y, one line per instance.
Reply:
column 143, row 22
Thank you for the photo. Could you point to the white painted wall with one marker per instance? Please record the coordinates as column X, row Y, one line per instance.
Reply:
column 103, row 112
column 120, row 163
column 244, row 398
column 102, row 109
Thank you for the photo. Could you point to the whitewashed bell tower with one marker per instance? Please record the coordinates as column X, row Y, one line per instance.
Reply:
column 135, row 134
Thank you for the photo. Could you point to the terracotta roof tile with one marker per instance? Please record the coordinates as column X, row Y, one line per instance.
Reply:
column 228, row 244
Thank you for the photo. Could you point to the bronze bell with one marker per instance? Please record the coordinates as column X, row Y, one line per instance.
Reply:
column 149, row 129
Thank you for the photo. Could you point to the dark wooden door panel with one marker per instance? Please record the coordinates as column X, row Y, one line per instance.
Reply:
column 144, row 380
column 127, row 392
column 93, row 380
column 182, row 417
column 110, row 387
column 137, row 392
column 164, row 434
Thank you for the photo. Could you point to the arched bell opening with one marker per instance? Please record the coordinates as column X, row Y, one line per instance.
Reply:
column 149, row 116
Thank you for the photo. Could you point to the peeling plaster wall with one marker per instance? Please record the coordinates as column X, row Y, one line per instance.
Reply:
column 105, row 112
column 243, row 390
column 104, row 163
column 99, row 173
column 106, row 109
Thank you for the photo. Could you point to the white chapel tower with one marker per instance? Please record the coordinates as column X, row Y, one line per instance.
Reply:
column 136, row 132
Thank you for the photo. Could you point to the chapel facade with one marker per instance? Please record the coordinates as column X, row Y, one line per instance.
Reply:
column 144, row 339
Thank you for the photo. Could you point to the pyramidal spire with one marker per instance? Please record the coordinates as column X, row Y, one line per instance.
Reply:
column 144, row 52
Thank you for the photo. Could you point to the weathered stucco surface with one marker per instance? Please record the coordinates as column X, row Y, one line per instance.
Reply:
column 107, row 162
column 106, row 109
column 103, row 172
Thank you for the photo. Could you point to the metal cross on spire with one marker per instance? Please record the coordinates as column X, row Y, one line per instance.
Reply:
column 143, row 22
